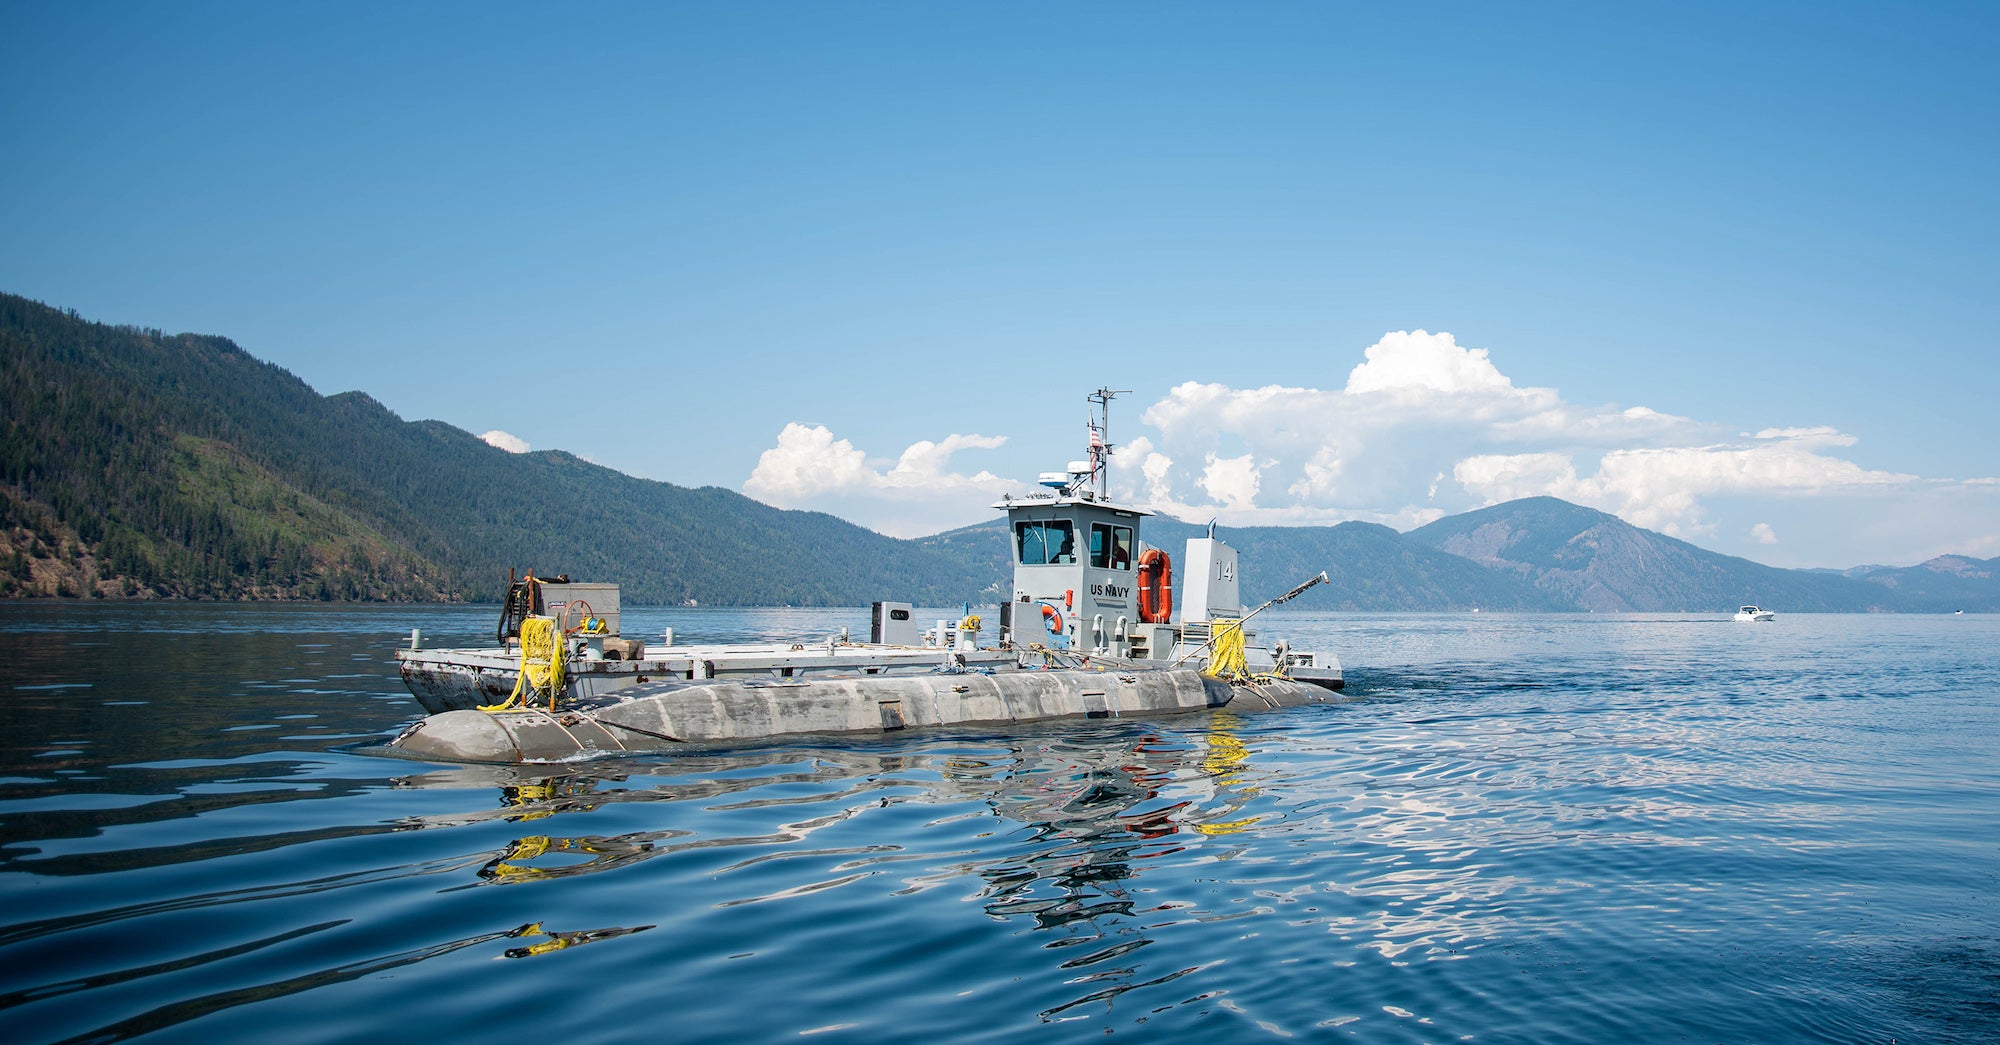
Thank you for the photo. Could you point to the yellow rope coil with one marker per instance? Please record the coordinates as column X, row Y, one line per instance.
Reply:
column 1227, row 661
column 541, row 671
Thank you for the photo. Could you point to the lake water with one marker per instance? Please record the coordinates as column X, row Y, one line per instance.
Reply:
column 1525, row 829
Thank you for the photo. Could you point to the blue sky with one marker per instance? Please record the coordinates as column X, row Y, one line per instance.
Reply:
column 1727, row 270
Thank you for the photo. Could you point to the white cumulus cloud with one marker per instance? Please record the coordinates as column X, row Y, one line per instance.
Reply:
column 1663, row 487
column 807, row 461
column 1418, row 364
column 1817, row 436
column 513, row 444
column 1424, row 426
column 927, row 465
column 1154, row 466
column 918, row 493
column 1231, row 481
column 1378, row 447
column 1419, row 428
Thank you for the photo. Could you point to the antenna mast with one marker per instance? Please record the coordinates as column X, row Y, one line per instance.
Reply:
column 1100, row 437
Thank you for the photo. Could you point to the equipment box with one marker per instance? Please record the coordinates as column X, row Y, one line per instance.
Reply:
column 569, row 604
column 894, row 624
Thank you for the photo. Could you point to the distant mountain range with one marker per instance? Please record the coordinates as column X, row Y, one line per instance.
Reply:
column 139, row 464
column 1544, row 554
column 1589, row 560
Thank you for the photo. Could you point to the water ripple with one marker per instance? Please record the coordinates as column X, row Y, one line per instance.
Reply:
column 1527, row 830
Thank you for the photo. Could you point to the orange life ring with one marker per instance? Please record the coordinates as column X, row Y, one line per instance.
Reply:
column 1052, row 617
column 1156, row 587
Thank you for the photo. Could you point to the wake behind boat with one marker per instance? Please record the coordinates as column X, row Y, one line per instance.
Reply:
column 1088, row 632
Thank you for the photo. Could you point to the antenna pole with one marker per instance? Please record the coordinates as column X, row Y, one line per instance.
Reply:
column 1100, row 437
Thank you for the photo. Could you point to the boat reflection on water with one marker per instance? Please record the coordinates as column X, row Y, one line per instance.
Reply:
column 1081, row 788
column 1102, row 814
column 546, row 796
column 553, row 940
column 1098, row 807
column 566, row 856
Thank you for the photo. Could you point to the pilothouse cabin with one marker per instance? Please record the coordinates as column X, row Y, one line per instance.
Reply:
column 1075, row 558
column 1082, row 580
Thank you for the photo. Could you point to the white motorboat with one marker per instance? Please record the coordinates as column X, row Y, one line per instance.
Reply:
column 1748, row 614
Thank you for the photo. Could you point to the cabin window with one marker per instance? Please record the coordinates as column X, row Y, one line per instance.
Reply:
column 1110, row 546
column 1041, row 543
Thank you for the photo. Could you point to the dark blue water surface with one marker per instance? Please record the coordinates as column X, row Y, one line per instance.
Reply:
column 1526, row 829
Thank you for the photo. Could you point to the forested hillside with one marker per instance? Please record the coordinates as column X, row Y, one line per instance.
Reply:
column 136, row 463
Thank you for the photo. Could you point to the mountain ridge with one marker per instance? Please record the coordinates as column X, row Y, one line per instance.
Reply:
column 1601, row 563
column 137, row 464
